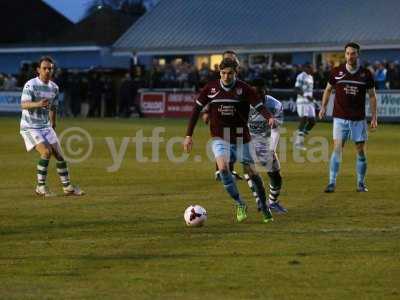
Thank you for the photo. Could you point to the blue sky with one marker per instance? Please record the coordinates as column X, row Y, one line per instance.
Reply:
column 75, row 9
column 72, row 9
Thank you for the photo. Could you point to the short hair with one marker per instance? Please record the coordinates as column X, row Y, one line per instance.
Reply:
column 353, row 45
column 229, row 52
column 46, row 58
column 228, row 63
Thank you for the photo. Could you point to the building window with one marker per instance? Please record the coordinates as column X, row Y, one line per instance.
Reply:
column 282, row 58
column 161, row 61
column 259, row 59
column 215, row 60
column 177, row 61
column 333, row 58
column 202, row 59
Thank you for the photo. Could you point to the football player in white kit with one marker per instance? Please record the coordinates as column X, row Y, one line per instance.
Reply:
column 305, row 105
column 265, row 140
column 39, row 102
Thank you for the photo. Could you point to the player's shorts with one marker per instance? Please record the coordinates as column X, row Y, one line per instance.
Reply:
column 347, row 129
column 306, row 109
column 33, row 137
column 232, row 152
column 265, row 150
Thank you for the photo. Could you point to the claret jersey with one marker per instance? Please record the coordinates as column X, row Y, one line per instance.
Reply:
column 351, row 89
column 229, row 109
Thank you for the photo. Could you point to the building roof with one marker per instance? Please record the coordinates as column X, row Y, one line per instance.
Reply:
column 206, row 26
column 33, row 21
column 103, row 27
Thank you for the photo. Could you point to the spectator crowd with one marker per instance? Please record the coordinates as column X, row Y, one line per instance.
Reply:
column 109, row 93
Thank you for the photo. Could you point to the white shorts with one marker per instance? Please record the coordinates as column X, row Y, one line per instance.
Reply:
column 306, row 109
column 33, row 137
column 265, row 150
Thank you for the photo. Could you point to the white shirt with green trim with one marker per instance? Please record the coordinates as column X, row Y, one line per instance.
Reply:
column 36, row 90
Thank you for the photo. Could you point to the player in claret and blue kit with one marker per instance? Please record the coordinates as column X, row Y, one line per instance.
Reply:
column 351, row 82
column 229, row 102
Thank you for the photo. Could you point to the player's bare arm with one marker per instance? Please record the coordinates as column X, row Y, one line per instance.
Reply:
column 272, row 121
column 44, row 103
column 299, row 91
column 373, row 106
column 205, row 115
column 52, row 116
column 325, row 100
column 188, row 141
column 187, row 144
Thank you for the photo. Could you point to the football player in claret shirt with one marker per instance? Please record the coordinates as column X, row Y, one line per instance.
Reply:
column 351, row 83
column 205, row 116
column 229, row 102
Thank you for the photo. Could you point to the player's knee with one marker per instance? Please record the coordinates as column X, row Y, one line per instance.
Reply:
column 264, row 162
column 275, row 179
column 45, row 153
column 360, row 148
column 224, row 169
column 58, row 155
column 248, row 169
column 361, row 154
column 226, row 176
column 311, row 121
column 337, row 147
column 231, row 166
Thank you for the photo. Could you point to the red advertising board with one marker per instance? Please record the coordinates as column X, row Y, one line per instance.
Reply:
column 153, row 103
column 180, row 104
column 167, row 104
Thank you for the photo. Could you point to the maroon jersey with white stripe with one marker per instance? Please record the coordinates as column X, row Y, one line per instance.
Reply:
column 350, row 91
column 229, row 109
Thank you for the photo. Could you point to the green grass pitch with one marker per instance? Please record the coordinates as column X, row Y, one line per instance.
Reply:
column 126, row 238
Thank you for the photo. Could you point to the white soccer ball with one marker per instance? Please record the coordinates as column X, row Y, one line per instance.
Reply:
column 195, row 216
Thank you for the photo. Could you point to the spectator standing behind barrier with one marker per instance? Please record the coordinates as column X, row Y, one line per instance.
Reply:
column 128, row 94
column 193, row 77
column 138, row 83
column 109, row 96
column 393, row 76
column 2, row 79
column 380, row 76
column 73, row 89
column 125, row 96
column 204, row 74
column 61, row 80
column 94, row 94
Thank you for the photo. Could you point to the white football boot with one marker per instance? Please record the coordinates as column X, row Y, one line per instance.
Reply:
column 299, row 142
column 43, row 190
column 71, row 190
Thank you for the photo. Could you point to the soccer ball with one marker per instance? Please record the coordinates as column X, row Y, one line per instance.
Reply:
column 195, row 216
